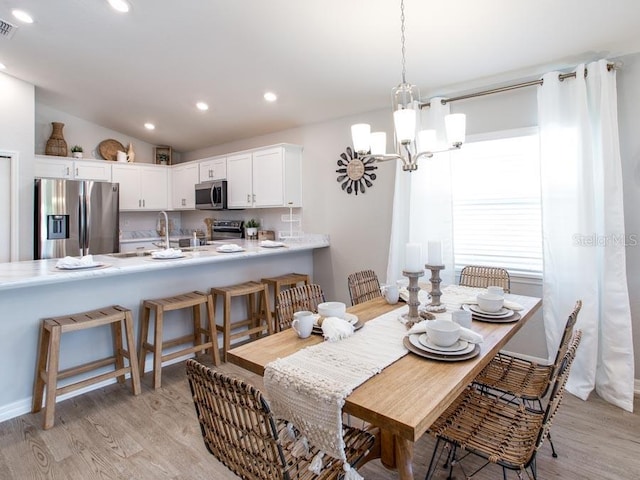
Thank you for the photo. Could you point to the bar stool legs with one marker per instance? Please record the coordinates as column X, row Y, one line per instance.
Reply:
column 286, row 280
column 48, row 362
column 253, row 292
column 159, row 306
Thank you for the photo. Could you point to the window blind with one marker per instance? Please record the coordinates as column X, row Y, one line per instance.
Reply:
column 496, row 204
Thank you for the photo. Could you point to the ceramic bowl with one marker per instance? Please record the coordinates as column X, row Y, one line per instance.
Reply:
column 443, row 333
column 332, row 309
column 490, row 302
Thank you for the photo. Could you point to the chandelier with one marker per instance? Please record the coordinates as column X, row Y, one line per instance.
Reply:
column 405, row 99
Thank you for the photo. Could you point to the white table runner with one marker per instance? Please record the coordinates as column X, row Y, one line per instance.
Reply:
column 309, row 387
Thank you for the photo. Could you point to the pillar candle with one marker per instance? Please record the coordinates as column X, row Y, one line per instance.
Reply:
column 434, row 253
column 413, row 258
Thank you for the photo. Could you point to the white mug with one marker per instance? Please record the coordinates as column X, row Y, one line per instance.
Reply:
column 390, row 293
column 303, row 323
column 121, row 156
column 461, row 317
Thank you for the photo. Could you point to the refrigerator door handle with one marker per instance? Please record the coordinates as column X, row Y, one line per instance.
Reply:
column 82, row 220
column 86, row 201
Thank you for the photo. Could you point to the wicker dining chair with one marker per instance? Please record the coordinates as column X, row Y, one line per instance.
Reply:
column 239, row 429
column 363, row 286
column 502, row 433
column 303, row 297
column 483, row 277
column 525, row 381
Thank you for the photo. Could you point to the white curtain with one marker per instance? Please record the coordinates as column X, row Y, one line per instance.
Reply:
column 583, row 230
column 422, row 206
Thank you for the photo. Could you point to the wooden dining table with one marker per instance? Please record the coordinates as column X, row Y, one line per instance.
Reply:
column 405, row 398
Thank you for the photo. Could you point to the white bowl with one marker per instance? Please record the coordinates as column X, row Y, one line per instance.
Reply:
column 332, row 309
column 443, row 333
column 490, row 302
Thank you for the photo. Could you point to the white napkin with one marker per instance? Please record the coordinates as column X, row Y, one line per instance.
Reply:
column 507, row 303
column 167, row 253
column 465, row 333
column 229, row 247
column 71, row 262
column 334, row 328
column 271, row 243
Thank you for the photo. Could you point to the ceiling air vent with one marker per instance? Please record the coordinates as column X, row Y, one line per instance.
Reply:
column 6, row 29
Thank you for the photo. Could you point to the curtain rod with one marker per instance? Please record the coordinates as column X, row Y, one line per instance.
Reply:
column 532, row 83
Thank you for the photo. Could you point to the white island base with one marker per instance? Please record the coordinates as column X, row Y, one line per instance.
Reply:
column 30, row 291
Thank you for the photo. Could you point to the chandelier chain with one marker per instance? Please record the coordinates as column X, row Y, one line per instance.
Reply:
column 402, row 39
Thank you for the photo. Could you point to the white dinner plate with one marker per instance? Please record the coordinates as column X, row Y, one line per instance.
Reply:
column 271, row 244
column 349, row 317
column 172, row 257
column 414, row 339
column 422, row 351
column 456, row 347
column 225, row 250
column 81, row 267
column 502, row 313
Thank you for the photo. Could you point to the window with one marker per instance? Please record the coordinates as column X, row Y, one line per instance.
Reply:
column 496, row 203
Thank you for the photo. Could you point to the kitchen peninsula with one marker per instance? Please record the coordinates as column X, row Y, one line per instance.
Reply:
column 32, row 290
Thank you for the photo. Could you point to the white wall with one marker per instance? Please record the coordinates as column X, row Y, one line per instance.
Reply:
column 17, row 134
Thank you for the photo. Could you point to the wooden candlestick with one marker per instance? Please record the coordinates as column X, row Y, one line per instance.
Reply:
column 413, row 316
column 435, row 306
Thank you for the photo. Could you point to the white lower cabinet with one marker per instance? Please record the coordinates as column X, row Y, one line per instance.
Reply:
column 183, row 182
column 49, row 166
column 265, row 178
column 142, row 187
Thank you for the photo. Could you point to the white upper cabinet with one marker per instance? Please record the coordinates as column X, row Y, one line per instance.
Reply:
column 183, row 181
column 48, row 166
column 214, row 168
column 142, row 187
column 267, row 177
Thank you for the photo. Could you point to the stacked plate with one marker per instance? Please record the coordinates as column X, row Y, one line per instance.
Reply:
column 504, row 315
column 349, row 317
column 420, row 344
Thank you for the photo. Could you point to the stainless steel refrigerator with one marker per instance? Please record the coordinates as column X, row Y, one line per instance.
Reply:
column 75, row 217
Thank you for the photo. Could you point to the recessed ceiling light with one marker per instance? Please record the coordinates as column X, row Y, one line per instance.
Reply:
column 270, row 97
column 22, row 15
column 119, row 5
column 2, row 66
column 202, row 106
column 149, row 126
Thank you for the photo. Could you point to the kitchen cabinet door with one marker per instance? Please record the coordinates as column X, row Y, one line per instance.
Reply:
column 239, row 181
column 142, row 187
column 88, row 170
column 213, row 169
column 49, row 166
column 183, row 181
column 268, row 182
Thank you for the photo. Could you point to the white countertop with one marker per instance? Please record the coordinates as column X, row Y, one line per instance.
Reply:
column 43, row 272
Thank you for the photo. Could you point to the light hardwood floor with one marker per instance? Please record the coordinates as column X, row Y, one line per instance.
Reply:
column 109, row 434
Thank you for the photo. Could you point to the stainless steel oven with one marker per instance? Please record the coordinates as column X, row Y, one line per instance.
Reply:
column 211, row 195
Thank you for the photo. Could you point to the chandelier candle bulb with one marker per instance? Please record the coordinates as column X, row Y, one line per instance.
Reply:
column 413, row 258
column 378, row 143
column 405, row 123
column 361, row 137
column 434, row 253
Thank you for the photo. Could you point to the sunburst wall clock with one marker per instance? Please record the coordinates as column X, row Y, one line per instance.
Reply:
column 353, row 173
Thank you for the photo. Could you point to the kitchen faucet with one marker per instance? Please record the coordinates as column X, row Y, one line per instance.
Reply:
column 166, row 229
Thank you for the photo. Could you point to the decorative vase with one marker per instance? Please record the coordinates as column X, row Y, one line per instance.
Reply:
column 56, row 145
column 131, row 155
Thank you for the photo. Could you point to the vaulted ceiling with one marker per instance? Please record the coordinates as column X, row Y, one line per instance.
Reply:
column 323, row 58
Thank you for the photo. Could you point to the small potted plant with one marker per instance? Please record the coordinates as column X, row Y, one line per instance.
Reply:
column 76, row 151
column 251, row 228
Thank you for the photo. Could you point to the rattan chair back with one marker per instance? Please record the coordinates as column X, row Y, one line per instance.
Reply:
column 483, row 277
column 363, row 286
column 303, row 297
column 239, row 429
column 565, row 340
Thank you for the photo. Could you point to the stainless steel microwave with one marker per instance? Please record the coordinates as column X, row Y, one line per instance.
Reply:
column 211, row 195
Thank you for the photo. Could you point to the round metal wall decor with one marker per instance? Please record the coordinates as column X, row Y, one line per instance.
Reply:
column 353, row 173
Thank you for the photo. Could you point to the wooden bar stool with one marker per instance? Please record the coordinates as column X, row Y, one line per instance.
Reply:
column 287, row 280
column 48, row 361
column 252, row 291
column 192, row 300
